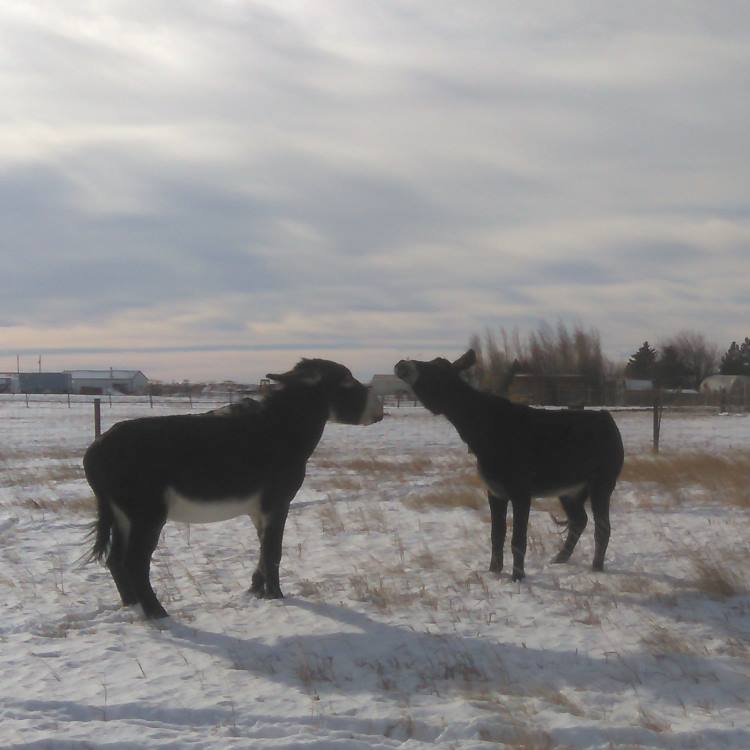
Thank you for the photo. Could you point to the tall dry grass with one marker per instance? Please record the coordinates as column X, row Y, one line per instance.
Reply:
column 723, row 478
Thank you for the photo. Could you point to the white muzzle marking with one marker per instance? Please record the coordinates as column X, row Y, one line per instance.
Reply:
column 373, row 411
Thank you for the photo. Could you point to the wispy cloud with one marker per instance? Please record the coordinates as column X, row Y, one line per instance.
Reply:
column 367, row 178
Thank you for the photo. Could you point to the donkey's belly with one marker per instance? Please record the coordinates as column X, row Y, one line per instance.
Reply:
column 201, row 510
column 498, row 489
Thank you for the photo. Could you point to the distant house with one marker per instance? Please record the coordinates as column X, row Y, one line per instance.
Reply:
column 727, row 390
column 44, row 382
column 104, row 382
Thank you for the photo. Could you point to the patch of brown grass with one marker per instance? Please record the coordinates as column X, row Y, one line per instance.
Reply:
column 55, row 453
column 374, row 465
column 462, row 491
column 725, row 478
column 85, row 504
column 341, row 483
column 44, row 475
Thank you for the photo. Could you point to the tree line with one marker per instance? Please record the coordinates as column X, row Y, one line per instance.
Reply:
column 680, row 361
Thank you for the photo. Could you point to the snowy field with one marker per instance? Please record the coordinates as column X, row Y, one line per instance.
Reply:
column 392, row 633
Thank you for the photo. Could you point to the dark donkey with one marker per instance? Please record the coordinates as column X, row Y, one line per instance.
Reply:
column 523, row 452
column 214, row 466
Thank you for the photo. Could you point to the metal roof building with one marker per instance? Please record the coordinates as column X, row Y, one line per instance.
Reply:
column 103, row 382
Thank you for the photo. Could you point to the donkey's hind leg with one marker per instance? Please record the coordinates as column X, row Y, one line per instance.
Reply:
column 600, row 497
column 116, row 565
column 577, row 520
column 143, row 540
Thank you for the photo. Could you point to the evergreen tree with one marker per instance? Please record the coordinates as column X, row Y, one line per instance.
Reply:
column 670, row 371
column 641, row 365
column 737, row 359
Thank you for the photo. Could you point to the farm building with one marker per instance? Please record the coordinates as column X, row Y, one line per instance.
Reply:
column 727, row 390
column 8, row 382
column 552, row 390
column 391, row 386
column 44, row 382
column 103, row 382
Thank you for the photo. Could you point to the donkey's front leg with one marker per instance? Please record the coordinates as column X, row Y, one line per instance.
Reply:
column 521, row 505
column 270, row 553
column 498, row 514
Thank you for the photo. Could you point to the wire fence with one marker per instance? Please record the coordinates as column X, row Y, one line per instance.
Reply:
column 40, row 399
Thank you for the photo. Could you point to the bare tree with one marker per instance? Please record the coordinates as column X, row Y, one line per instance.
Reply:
column 698, row 356
column 546, row 351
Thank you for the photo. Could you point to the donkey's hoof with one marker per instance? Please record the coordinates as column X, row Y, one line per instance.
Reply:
column 518, row 575
column 560, row 558
column 598, row 566
column 156, row 614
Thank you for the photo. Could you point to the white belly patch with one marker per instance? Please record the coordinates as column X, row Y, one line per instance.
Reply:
column 498, row 490
column 191, row 510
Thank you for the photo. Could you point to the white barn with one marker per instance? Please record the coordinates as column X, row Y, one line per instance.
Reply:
column 106, row 382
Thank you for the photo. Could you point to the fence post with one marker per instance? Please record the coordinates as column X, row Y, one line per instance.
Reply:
column 97, row 417
column 68, row 399
column 27, row 400
column 151, row 397
column 657, row 419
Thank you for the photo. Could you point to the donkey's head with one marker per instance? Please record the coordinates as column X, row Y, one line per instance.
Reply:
column 349, row 401
column 434, row 382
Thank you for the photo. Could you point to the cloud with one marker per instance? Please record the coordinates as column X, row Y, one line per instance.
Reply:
column 355, row 175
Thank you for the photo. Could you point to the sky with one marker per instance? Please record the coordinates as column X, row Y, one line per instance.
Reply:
column 212, row 189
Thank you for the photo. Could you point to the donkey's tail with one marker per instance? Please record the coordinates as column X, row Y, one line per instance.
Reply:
column 101, row 530
column 573, row 507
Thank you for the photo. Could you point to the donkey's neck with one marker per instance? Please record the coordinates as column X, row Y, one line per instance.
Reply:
column 303, row 412
column 468, row 410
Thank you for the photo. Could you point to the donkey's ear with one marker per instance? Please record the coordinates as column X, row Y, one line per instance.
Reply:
column 465, row 361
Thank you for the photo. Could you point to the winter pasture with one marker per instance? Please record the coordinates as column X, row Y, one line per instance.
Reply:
column 393, row 633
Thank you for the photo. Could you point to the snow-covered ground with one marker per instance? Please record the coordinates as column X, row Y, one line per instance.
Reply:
column 392, row 633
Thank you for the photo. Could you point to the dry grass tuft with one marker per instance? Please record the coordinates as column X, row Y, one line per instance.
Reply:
column 375, row 592
column 330, row 518
column 315, row 669
column 725, row 478
column 309, row 589
column 661, row 641
column 652, row 722
column 716, row 579
column 556, row 698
